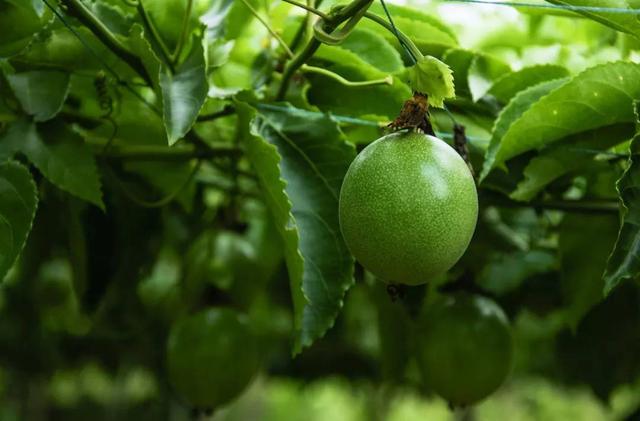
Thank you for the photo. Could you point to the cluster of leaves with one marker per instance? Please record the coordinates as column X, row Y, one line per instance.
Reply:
column 149, row 169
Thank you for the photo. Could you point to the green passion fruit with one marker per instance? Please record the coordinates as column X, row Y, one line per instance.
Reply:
column 465, row 347
column 408, row 207
column 212, row 356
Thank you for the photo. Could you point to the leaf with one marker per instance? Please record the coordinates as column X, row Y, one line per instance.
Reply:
column 434, row 78
column 582, row 266
column 329, row 95
column 507, row 86
column 374, row 49
column 483, row 71
column 473, row 71
column 624, row 261
column 18, row 203
column 574, row 153
column 505, row 272
column 184, row 93
column 59, row 154
column 625, row 22
column 300, row 159
column 397, row 11
column 511, row 113
column 41, row 93
column 599, row 96
column 140, row 46
column 428, row 34
column 214, row 18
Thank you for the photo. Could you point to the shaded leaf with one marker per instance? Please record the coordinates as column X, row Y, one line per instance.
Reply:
column 599, row 96
column 18, row 203
column 624, row 261
column 184, row 93
column 582, row 267
column 41, row 93
column 374, row 49
column 575, row 152
column 301, row 159
column 59, row 154
column 504, row 272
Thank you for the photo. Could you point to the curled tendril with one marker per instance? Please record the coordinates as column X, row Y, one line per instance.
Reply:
column 339, row 35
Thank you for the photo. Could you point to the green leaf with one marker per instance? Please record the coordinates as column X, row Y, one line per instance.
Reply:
column 300, row 159
column 625, row 22
column 17, row 26
column 397, row 11
column 140, row 46
column 575, row 152
column 507, row 86
column 504, row 273
column 599, row 96
column 434, row 78
column 329, row 95
column 584, row 244
column 184, row 93
column 474, row 72
column 215, row 18
column 18, row 203
column 59, row 154
column 624, row 261
column 41, row 93
column 511, row 113
column 374, row 49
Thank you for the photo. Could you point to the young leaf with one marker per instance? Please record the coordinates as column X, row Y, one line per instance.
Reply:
column 18, row 203
column 40, row 92
column 301, row 159
column 59, row 154
column 184, row 93
column 434, row 78
column 599, row 96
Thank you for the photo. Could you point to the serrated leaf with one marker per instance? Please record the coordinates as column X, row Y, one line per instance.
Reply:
column 301, row 159
column 184, row 93
column 140, row 46
column 18, row 203
column 574, row 153
column 582, row 266
column 511, row 113
column 625, row 22
column 599, row 96
column 41, row 93
column 507, row 86
column 59, row 154
column 434, row 78
column 624, row 261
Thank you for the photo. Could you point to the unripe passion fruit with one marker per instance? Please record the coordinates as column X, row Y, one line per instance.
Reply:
column 408, row 207
column 465, row 347
column 212, row 356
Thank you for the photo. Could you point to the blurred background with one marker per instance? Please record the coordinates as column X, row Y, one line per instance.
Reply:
column 101, row 356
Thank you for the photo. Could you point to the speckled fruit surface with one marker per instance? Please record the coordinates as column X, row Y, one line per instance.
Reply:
column 465, row 347
column 408, row 207
column 211, row 357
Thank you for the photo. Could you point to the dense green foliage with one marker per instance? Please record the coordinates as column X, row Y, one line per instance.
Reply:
column 163, row 160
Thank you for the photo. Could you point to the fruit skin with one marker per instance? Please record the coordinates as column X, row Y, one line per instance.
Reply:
column 408, row 207
column 212, row 356
column 465, row 347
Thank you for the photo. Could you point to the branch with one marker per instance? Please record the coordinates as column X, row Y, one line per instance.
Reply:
column 77, row 9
